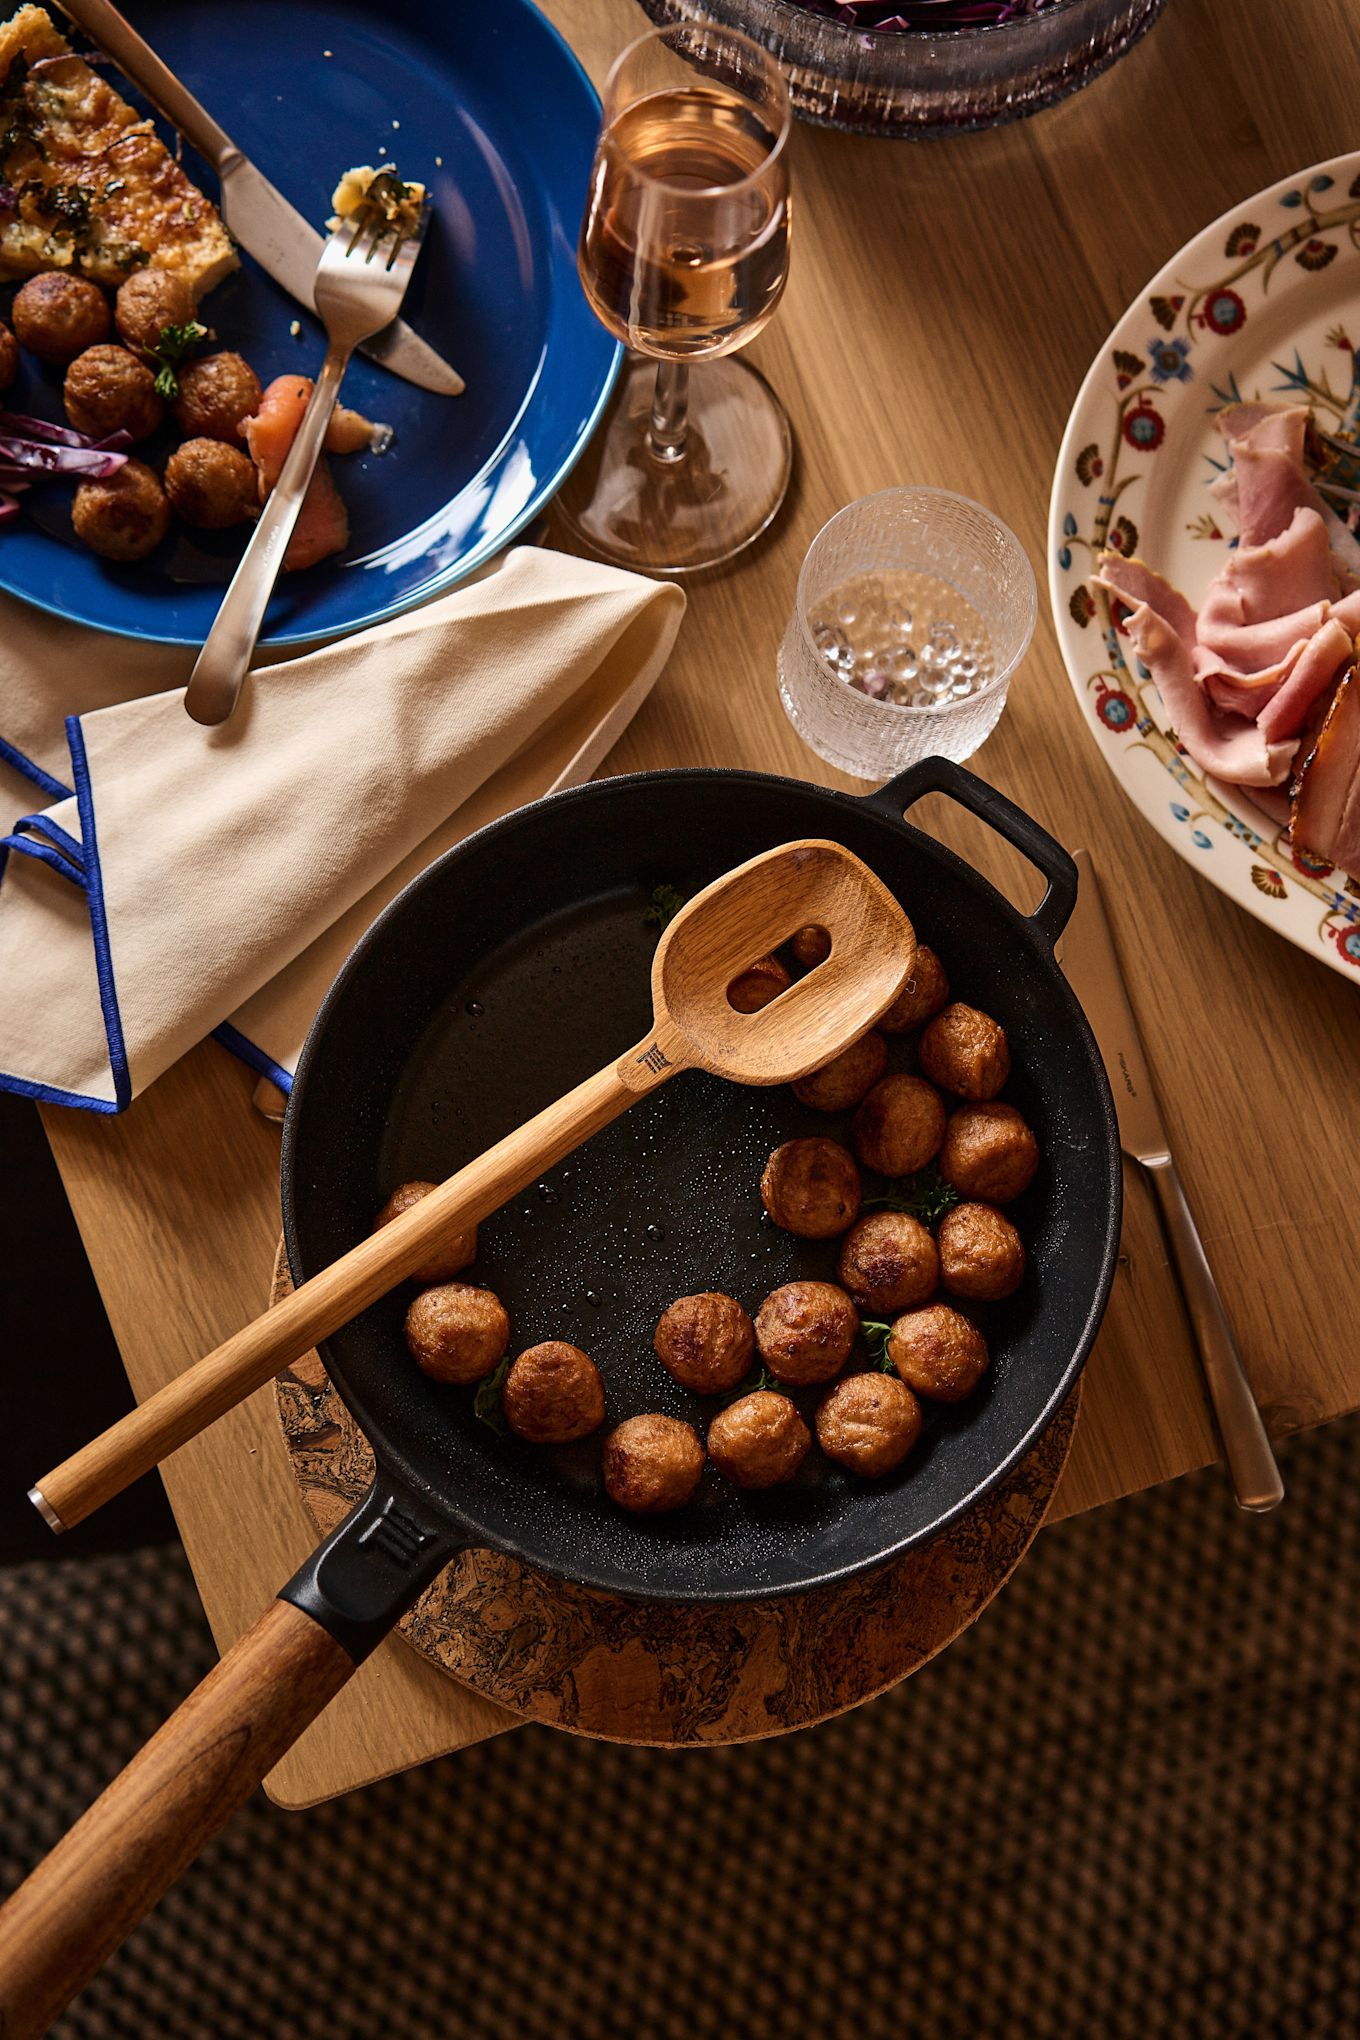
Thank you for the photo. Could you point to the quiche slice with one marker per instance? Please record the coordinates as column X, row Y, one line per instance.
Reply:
column 85, row 183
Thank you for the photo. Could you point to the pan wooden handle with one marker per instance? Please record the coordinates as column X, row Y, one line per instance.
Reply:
column 215, row 1384
column 83, row 1900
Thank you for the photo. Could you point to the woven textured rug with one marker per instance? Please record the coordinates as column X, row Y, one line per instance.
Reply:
column 1124, row 1804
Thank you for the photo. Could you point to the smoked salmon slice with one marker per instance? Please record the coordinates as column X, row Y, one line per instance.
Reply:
column 323, row 524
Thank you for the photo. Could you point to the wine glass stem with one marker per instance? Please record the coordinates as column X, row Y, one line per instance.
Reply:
column 669, row 427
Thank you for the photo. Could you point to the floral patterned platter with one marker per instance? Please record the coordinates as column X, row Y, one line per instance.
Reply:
column 1263, row 304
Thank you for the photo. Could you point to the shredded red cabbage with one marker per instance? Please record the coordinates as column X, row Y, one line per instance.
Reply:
column 893, row 16
column 31, row 448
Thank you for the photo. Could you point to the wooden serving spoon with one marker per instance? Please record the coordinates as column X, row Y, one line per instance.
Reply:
column 716, row 936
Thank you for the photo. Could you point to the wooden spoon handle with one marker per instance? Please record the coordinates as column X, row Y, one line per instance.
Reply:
column 215, row 1384
column 66, row 1919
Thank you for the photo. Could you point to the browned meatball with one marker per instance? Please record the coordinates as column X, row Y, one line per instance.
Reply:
column 888, row 1262
column 759, row 986
column 108, row 390
column 122, row 516
column 212, row 485
column 457, row 1332
column 980, row 1253
column 938, row 1353
column 926, row 990
column 806, row 1331
column 553, row 1394
column 57, row 316
column 811, row 945
column 989, row 1153
column 652, row 1463
column 966, row 1051
column 149, row 301
column 759, row 1441
column 811, row 1188
column 842, row 1082
column 216, row 394
column 9, row 356
column 444, row 1261
column 705, row 1341
column 899, row 1127
column 869, row 1423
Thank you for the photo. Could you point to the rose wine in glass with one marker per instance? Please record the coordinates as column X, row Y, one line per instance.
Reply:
column 683, row 256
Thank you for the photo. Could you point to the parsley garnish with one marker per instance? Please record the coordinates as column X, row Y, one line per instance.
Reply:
column 173, row 347
column 876, row 1339
column 925, row 1195
column 486, row 1404
column 663, row 906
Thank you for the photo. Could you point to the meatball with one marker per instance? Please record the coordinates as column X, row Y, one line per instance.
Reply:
column 759, row 1441
column 444, row 1261
column 989, row 1153
column 57, row 316
column 652, row 1463
column 216, row 394
column 122, row 516
column 811, row 1188
column 888, row 1262
column 980, row 1253
column 926, row 990
column 806, row 1331
column 149, row 301
column 212, row 485
column 705, row 1341
column 842, row 1082
column 108, row 390
column 869, row 1423
column 759, row 985
column 966, row 1051
column 457, row 1333
column 899, row 1127
column 553, row 1394
column 811, row 945
column 9, row 356
column 938, row 1352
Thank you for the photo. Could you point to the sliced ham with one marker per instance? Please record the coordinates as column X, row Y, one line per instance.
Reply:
column 1245, row 681
column 1286, row 573
column 1312, row 673
column 1326, row 817
column 1229, row 746
column 1135, row 582
column 323, row 525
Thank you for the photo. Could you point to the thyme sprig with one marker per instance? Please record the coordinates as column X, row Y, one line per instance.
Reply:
column 663, row 906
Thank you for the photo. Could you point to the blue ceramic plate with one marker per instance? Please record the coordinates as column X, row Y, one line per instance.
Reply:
column 488, row 106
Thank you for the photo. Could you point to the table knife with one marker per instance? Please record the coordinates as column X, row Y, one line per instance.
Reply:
column 1092, row 969
column 255, row 213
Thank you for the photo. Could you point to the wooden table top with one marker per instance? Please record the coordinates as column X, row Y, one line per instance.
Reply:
column 944, row 303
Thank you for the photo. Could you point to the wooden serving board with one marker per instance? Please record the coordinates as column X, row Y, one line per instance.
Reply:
column 638, row 1672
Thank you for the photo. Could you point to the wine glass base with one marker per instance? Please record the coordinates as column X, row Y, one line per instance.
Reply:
column 665, row 517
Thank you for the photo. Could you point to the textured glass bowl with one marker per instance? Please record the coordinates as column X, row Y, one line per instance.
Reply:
column 924, row 82
column 933, row 532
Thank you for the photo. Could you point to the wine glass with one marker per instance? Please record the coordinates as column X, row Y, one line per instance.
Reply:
column 683, row 255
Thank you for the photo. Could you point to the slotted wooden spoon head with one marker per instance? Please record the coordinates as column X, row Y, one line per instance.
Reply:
column 723, row 930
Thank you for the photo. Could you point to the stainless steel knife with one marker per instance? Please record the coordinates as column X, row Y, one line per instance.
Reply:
column 256, row 215
column 1092, row 969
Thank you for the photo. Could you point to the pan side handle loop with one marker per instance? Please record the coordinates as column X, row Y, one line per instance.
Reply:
column 941, row 775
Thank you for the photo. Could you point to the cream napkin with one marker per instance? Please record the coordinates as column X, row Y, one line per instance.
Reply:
column 164, row 882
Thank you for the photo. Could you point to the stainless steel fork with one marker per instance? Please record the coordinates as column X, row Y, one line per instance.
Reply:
column 361, row 280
